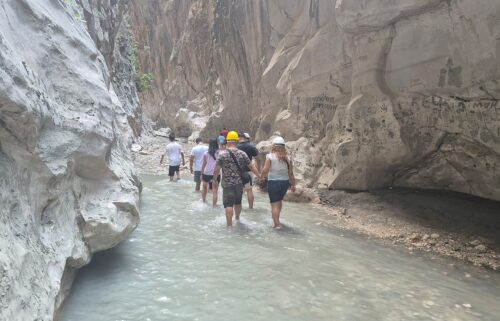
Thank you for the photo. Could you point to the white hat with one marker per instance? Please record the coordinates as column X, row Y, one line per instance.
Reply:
column 246, row 135
column 278, row 141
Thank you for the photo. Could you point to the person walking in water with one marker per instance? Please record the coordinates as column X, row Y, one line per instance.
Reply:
column 249, row 149
column 196, row 158
column 207, row 171
column 232, row 161
column 174, row 153
column 278, row 168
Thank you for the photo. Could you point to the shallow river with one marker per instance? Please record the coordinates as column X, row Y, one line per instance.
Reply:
column 182, row 263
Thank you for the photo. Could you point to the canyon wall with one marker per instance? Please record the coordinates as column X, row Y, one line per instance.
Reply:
column 373, row 93
column 68, row 112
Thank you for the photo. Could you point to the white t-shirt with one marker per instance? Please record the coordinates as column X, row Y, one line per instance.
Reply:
column 173, row 152
column 198, row 151
column 278, row 170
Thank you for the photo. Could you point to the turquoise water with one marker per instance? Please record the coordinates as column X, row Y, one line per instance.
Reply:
column 182, row 263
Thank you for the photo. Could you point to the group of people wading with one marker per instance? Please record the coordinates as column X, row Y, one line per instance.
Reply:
column 230, row 156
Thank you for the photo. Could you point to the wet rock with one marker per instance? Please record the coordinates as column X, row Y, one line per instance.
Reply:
column 415, row 237
column 481, row 248
column 425, row 237
column 67, row 120
column 435, row 236
column 475, row 242
column 135, row 147
column 162, row 132
column 302, row 195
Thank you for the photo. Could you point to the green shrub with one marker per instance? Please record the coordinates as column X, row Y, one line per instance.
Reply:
column 144, row 82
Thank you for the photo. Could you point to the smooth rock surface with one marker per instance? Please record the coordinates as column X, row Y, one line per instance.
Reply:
column 67, row 183
column 387, row 93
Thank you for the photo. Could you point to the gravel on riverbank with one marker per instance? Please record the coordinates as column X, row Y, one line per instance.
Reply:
column 449, row 224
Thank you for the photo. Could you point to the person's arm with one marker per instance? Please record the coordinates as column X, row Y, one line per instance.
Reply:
column 183, row 162
column 191, row 160
column 291, row 177
column 258, row 162
column 217, row 170
column 161, row 159
column 267, row 167
column 254, row 170
column 204, row 163
column 216, row 175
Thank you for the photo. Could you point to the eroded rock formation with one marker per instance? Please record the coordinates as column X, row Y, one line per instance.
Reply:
column 401, row 93
column 67, row 184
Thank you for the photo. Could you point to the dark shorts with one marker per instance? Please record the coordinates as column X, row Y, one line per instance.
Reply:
column 209, row 179
column 232, row 195
column 277, row 190
column 173, row 169
column 197, row 176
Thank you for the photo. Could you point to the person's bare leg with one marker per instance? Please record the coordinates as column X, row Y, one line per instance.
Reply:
column 204, row 192
column 275, row 212
column 197, row 188
column 215, row 196
column 178, row 175
column 229, row 216
column 237, row 211
column 250, row 198
column 171, row 178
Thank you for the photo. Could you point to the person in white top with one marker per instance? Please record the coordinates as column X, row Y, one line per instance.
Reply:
column 197, row 159
column 279, row 171
column 174, row 153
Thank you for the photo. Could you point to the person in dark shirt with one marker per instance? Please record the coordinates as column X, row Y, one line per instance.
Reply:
column 251, row 151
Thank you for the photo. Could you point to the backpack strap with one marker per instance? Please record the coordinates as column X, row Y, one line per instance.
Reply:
column 236, row 161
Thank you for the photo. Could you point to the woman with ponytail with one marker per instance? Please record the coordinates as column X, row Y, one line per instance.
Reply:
column 278, row 169
column 207, row 171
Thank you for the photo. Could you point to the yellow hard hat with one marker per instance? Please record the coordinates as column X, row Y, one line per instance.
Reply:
column 232, row 135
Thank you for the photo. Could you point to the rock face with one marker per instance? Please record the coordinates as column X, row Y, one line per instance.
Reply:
column 67, row 184
column 401, row 93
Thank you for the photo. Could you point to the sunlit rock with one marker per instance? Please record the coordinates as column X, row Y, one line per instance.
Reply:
column 388, row 93
column 67, row 118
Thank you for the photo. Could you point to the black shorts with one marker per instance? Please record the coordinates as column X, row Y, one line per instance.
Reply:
column 232, row 195
column 209, row 179
column 277, row 190
column 173, row 169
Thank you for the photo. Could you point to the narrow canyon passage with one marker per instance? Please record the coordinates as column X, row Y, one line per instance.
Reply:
column 183, row 264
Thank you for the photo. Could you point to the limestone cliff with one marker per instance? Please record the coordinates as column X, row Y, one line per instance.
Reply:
column 385, row 92
column 67, row 184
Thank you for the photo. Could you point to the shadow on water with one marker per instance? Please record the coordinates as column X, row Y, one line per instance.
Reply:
column 104, row 264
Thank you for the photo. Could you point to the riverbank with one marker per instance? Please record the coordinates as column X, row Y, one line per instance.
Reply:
column 448, row 224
